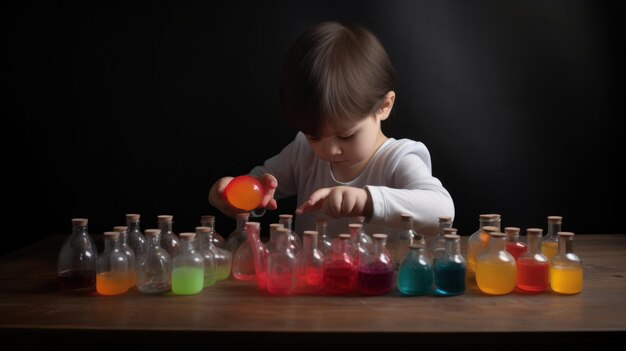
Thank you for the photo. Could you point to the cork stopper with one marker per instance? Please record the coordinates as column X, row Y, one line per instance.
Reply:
column 490, row 228
column 379, row 236
column 165, row 218
column 494, row 215
column 207, row 218
column 497, row 234
column 514, row 231
column 445, row 219
column 449, row 231
column 417, row 244
column 285, row 216
column 406, row 217
column 257, row 225
column 80, row 221
column 355, row 226
column 113, row 235
column 566, row 234
column 152, row 232
column 283, row 230
column 534, row 231
column 187, row 236
column 344, row 236
column 489, row 216
column 555, row 219
column 203, row 230
column 276, row 226
column 310, row 233
column 120, row 228
column 243, row 216
column 133, row 217
column 451, row 237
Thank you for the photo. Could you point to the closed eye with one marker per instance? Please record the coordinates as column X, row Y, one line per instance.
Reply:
column 348, row 137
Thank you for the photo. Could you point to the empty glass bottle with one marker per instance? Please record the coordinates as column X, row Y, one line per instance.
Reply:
column 309, row 277
column 112, row 277
column 549, row 245
column 243, row 259
column 532, row 266
column 403, row 240
column 187, row 267
column 287, row 221
column 259, row 253
column 76, row 265
column 437, row 246
column 237, row 236
column 415, row 275
column 154, row 271
column 169, row 240
column 136, row 240
column 513, row 244
column 217, row 239
column 203, row 246
column 450, row 268
column 340, row 269
column 325, row 240
column 478, row 242
column 132, row 258
column 566, row 268
column 222, row 257
column 496, row 270
column 281, row 262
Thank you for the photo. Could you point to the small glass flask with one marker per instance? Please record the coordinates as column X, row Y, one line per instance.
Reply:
column 136, row 240
column 132, row 258
column 496, row 270
column 403, row 240
column 243, row 259
column 216, row 238
column 450, row 268
column 113, row 267
column 437, row 245
column 204, row 247
column 566, row 268
column 237, row 236
column 415, row 275
column 478, row 242
column 513, row 244
column 533, row 268
column 259, row 253
column 375, row 273
column 364, row 238
column 550, row 245
column 187, row 268
column 169, row 240
column 76, row 265
column 325, row 240
column 281, row 262
column 154, row 270
column 287, row 221
column 309, row 265
column 340, row 269
column 358, row 246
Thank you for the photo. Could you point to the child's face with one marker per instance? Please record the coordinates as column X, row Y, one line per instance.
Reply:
column 350, row 149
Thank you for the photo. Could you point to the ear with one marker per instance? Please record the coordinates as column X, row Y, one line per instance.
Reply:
column 385, row 108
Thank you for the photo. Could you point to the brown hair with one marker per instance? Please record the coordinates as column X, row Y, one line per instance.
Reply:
column 334, row 73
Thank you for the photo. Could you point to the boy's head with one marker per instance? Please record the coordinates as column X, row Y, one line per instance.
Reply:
column 334, row 75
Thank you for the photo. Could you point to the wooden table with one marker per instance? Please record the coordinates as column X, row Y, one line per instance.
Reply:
column 35, row 311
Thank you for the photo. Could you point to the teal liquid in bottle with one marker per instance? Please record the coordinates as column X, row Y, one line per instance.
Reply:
column 415, row 275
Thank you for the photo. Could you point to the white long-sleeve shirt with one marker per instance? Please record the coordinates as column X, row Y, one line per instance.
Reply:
column 398, row 178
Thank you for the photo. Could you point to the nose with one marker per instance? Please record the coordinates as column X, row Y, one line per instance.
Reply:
column 333, row 149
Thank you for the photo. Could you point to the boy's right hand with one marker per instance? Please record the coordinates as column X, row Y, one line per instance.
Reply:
column 219, row 201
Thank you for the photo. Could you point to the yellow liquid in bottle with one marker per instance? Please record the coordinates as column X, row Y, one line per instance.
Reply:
column 566, row 279
column 110, row 283
column 475, row 249
column 549, row 249
column 496, row 278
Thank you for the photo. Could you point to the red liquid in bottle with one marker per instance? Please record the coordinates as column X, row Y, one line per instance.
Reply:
column 375, row 279
column 340, row 279
column 532, row 275
column 515, row 249
column 78, row 279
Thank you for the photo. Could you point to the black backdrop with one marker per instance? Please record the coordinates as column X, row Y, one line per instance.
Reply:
column 117, row 108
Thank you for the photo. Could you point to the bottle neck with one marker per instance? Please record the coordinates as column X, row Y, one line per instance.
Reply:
column 154, row 241
column 208, row 223
column 188, row 245
column 166, row 228
column 533, row 244
column 443, row 225
column 566, row 245
column 496, row 244
column 553, row 228
column 407, row 225
column 79, row 230
column 379, row 246
column 286, row 222
column 309, row 242
column 321, row 229
column 111, row 244
column 241, row 224
column 453, row 247
column 132, row 226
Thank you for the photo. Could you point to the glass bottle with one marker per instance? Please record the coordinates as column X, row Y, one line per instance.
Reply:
column 549, row 245
column 169, row 240
column 112, row 274
column 187, row 267
column 325, row 240
column 76, row 265
column 216, row 238
column 437, row 245
column 259, row 253
column 136, row 240
column 450, row 268
column 403, row 240
column 496, row 270
column 415, row 275
column 203, row 246
column 375, row 272
column 128, row 251
column 533, row 268
column 287, row 221
column 566, row 268
column 281, row 262
column 154, row 271
column 309, row 265
column 513, row 245
column 340, row 269
column 478, row 242
column 364, row 239
column 243, row 259
column 222, row 257
column 237, row 236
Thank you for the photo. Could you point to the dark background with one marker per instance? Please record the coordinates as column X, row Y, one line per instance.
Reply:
column 119, row 108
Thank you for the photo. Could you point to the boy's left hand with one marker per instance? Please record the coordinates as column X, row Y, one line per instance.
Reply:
column 338, row 201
